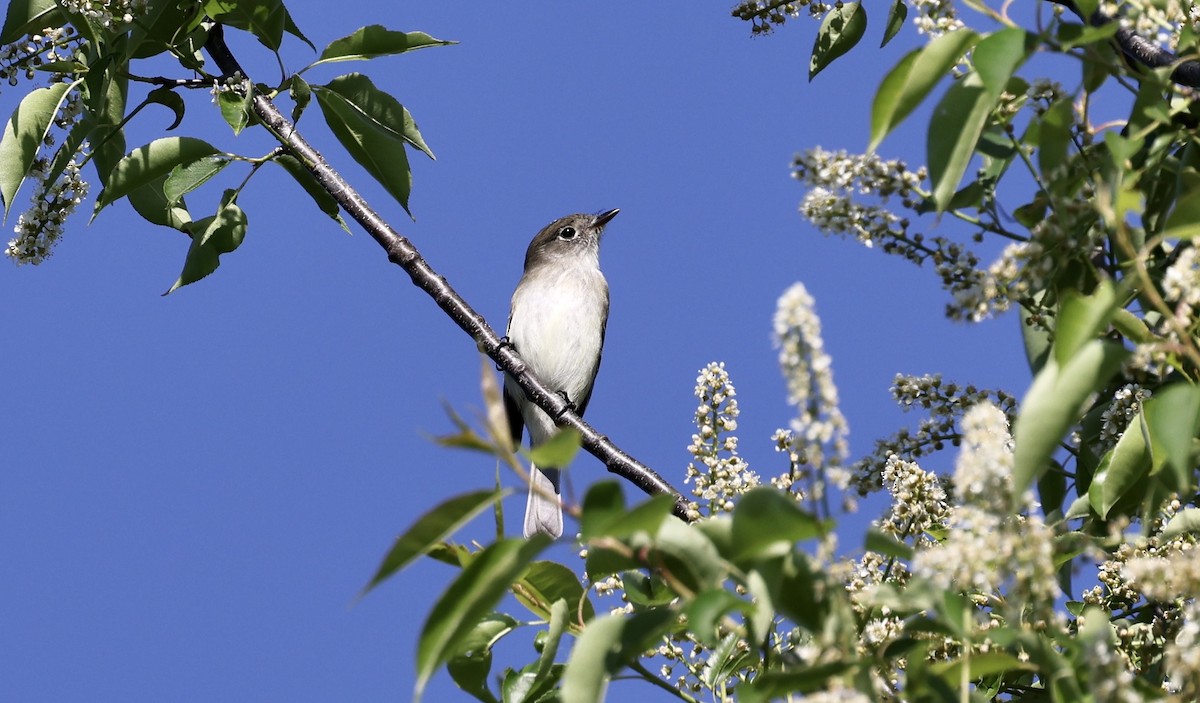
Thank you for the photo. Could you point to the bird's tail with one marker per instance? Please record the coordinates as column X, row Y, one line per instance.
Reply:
column 543, row 511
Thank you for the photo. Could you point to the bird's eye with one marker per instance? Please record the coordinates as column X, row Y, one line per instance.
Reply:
column 566, row 233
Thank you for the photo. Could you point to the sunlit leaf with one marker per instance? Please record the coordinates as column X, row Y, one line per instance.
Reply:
column 170, row 99
column 912, row 79
column 370, row 124
column 185, row 178
column 546, row 582
column 954, row 131
column 29, row 17
column 1053, row 404
column 1081, row 318
column 895, row 21
column 559, row 450
column 606, row 646
column 376, row 40
column 997, row 56
column 841, row 29
column 24, row 135
column 265, row 19
column 211, row 237
column 1173, row 420
column 148, row 163
column 1123, row 468
column 1186, row 521
column 474, row 593
column 766, row 520
column 430, row 530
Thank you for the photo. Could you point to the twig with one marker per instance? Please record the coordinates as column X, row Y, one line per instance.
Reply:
column 401, row 252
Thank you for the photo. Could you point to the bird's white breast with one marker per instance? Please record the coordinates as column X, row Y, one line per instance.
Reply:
column 557, row 325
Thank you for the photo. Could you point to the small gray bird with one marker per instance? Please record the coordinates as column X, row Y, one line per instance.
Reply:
column 559, row 311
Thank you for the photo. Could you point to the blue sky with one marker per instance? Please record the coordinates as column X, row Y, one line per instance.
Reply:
column 195, row 487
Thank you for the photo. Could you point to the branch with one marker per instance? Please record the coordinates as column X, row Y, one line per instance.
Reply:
column 401, row 252
column 1142, row 50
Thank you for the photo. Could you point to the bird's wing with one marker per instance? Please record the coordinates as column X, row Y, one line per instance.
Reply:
column 516, row 423
column 582, row 403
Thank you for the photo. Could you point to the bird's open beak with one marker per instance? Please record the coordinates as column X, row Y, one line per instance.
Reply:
column 603, row 218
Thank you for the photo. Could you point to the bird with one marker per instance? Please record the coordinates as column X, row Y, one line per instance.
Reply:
column 556, row 324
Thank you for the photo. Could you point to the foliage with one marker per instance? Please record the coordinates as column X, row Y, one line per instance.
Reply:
column 90, row 54
column 1055, row 563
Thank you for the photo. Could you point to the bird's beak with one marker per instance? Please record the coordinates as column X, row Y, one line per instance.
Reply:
column 603, row 218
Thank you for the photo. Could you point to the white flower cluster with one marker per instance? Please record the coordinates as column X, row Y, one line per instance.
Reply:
column 1172, row 574
column 719, row 474
column 54, row 200
column 918, row 501
column 988, row 550
column 1125, row 405
column 106, row 13
column 1181, row 659
column 818, row 433
column 935, row 17
column 1181, row 284
column 946, row 402
column 765, row 15
column 22, row 58
column 836, row 177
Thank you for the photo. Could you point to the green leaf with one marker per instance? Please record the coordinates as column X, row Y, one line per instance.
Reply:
column 212, row 236
column 689, row 555
column 559, row 450
column 546, row 582
column 265, row 19
column 705, row 611
column 998, row 55
column 23, row 136
column 150, row 202
column 887, row 545
column 185, row 178
column 29, row 17
column 895, row 20
column 775, row 685
column 954, row 131
column 560, row 615
column 605, row 647
column 147, row 163
column 476, row 590
column 1173, row 420
column 1123, row 468
column 841, row 29
column 979, row 665
column 373, row 41
column 1185, row 521
column 235, row 108
column 604, row 513
column 603, row 507
column 907, row 84
column 1055, row 139
column 1053, row 404
column 429, row 530
column 169, row 98
column 728, row 656
column 372, row 126
column 163, row 25
column 309, row 183
column 1081, row 318
column 301, row 93
column 766, row 521
column 1184, row 220
column 469, row 666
